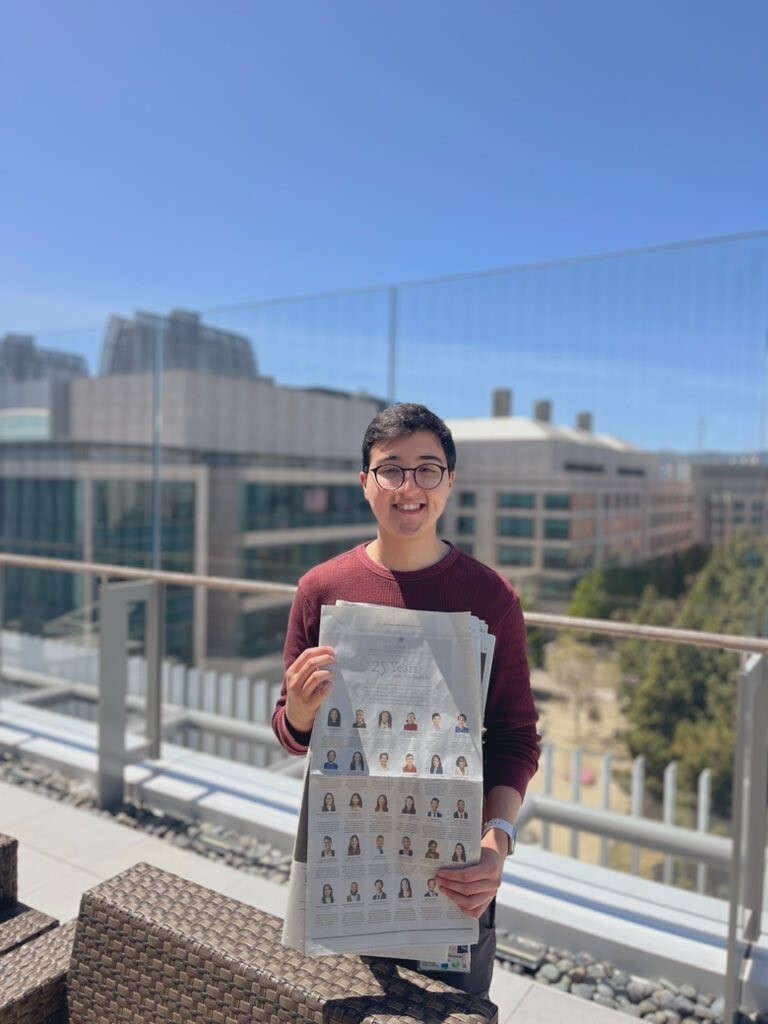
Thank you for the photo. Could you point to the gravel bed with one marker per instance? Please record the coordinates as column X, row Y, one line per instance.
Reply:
column 579, row 973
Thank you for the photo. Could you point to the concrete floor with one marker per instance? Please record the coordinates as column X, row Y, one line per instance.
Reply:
column 63, row 851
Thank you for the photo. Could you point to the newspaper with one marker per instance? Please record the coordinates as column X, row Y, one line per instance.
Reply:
column 393, row 788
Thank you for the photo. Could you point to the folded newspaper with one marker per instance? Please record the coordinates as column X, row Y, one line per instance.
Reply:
column 394, row 786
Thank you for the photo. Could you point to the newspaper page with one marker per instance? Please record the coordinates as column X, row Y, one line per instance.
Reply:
column 394, row 784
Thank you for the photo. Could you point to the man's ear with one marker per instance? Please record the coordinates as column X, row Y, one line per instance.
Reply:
column 363, row 478
column 452, row 478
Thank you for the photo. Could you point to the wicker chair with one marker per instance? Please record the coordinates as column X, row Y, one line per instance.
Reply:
column 18, row 922
column 33, row 979
column 34, row 953
column 150, row 946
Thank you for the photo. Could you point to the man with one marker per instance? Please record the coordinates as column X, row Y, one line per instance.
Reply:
column 379, row 893
column 433, row 811
column 431, row 893
column 410, row 765
column 354, row 893
column 359, row 722
column 408, row 473
column 436, row 721
column 327, row 850
column 330, row 762
column 460, row 811
column 461, row 724
column 380, row 844
column 406, row 850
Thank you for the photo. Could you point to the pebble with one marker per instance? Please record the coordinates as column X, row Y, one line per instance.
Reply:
column 603, row 1000
column 659, row 1002
column 583, row 990
column 549, row 973
column 639, row 990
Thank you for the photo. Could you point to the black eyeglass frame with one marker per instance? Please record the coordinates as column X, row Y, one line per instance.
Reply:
column 409, row 469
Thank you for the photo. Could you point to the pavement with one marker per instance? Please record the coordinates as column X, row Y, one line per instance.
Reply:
column 64, row 851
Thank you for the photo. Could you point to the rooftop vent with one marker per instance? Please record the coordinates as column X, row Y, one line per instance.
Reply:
column 542, row 411
column 502, row 402
column 584, row 421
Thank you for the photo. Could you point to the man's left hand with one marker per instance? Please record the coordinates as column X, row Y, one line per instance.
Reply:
column 472, row 888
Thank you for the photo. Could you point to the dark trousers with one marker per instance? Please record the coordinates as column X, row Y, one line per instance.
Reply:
column 478, row 980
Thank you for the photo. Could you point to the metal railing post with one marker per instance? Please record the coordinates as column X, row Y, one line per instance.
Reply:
column 155, row 621
column 703, row 814
column 750, row 778
column 606, row 805
column 575, row 796
column 114, row 603
column 668, row 813
column 637, row 803
column 548, row 774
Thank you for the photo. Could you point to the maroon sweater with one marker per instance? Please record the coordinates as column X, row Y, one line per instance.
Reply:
column 457, row 583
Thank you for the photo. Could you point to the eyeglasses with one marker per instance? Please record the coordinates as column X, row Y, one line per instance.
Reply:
column 427, row 476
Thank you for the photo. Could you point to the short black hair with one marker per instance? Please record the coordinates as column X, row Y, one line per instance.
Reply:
column 402, row 420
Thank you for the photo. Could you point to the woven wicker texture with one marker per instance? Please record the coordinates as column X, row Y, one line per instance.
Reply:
column 151, row 946
column 8, row 870
column 20, row 923
column 33, row 979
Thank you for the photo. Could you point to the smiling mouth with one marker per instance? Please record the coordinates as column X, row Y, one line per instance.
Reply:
column 411, row 506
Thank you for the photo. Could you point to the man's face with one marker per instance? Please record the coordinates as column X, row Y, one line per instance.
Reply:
column 460, row 806
column 410, row 512
column 434, row 804
column 379, row 886
column 331, row 756
column 406, row 843
column 431, row 885
column 379, row 842
column 353, row 888
column 409, row 759
column 436, row 721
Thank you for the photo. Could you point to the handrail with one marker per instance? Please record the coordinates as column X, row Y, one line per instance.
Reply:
column 604, row 627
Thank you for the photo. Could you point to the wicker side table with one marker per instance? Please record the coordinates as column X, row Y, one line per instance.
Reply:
column 8, row 870
column 151, row 946
column 33, row 979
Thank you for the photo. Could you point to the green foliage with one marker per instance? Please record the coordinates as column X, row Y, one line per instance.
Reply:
column 590, row 598
column 605, row 592
column 681, row 700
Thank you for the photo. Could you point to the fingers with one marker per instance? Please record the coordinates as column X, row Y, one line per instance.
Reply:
column 308, row 682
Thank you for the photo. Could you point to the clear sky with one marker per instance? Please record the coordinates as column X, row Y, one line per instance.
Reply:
column 171, row 154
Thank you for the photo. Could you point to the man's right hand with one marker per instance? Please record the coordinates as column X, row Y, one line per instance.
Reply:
column 308, row 681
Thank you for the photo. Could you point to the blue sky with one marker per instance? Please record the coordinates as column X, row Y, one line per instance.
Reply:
column 198, row 155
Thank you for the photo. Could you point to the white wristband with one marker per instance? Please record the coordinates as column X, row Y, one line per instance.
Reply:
column 504, row 826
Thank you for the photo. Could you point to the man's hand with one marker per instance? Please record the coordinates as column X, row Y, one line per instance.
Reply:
column 472, row 888
column 308, row 682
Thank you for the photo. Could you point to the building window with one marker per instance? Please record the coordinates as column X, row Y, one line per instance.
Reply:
column 556, row 558
column 509, row 554
column 514, row 526
column 285, row 563
column 560, row 589
column 277, row 506
column 557, row 529
column 465, row 525
column 510, row 499
column 467, row 499
column 557, row 501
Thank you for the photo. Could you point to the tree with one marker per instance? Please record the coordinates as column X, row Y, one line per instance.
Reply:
column 572, row 664
column 681, row 700
column 590, row 598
